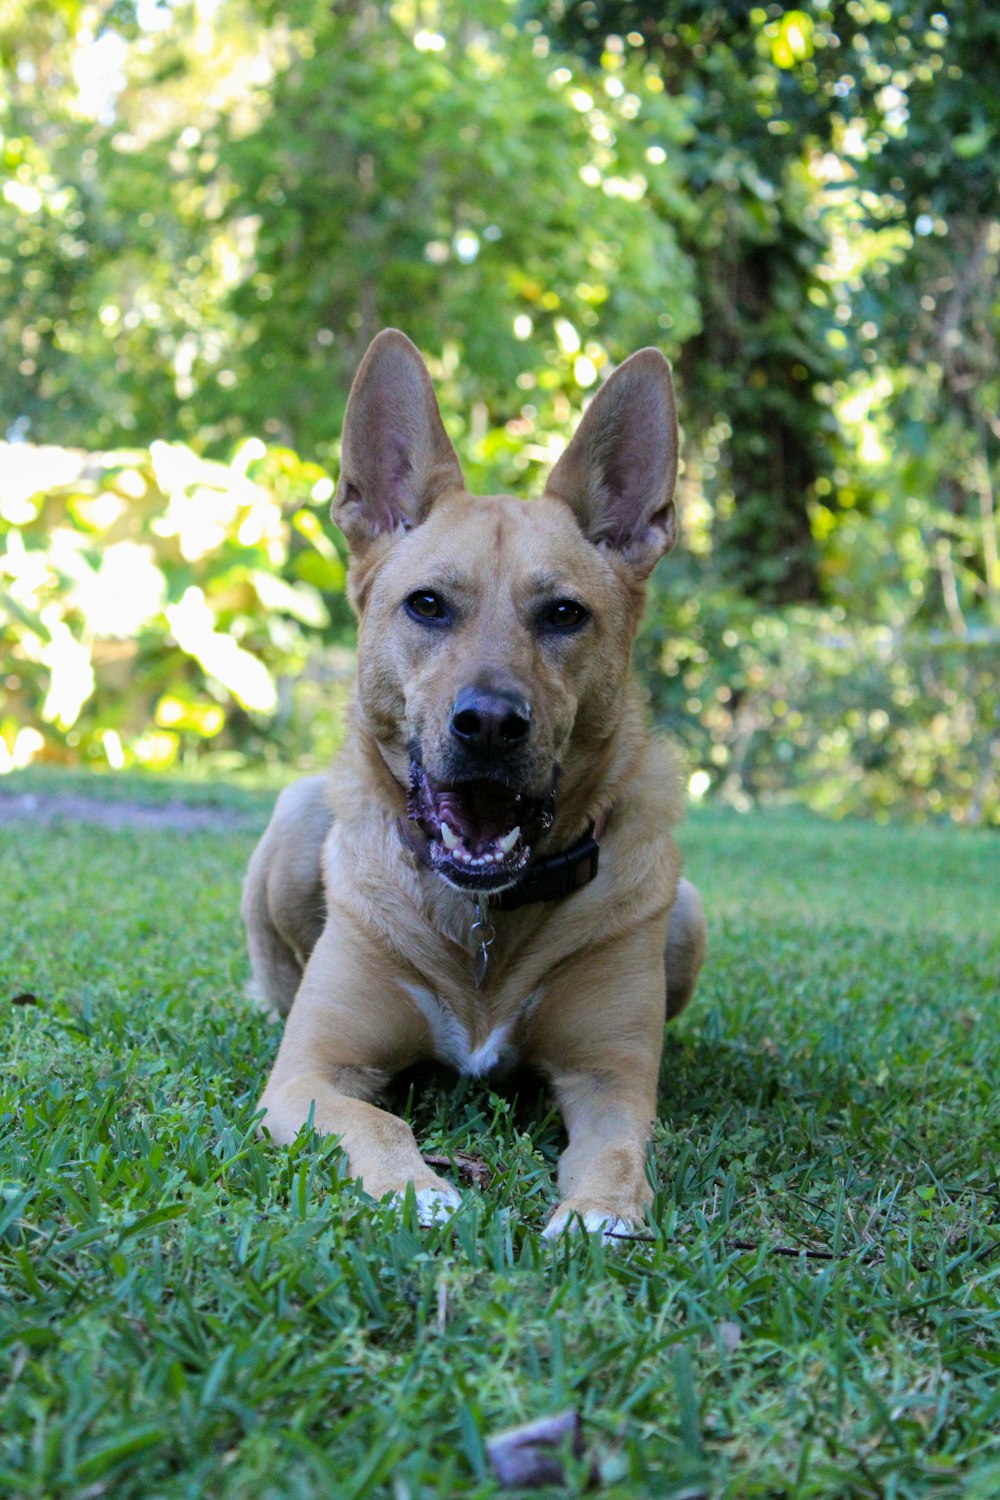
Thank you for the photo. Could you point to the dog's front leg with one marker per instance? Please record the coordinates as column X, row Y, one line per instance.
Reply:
column 350, row 1029
column 598, row 1035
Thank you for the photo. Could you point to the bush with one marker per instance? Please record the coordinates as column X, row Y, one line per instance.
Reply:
column 159, row 606
column 851, row 718
column 156, row 604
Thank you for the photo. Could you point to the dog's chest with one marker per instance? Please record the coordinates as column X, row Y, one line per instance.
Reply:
column 473, row 1049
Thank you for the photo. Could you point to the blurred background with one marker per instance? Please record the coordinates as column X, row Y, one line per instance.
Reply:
column 208, row 209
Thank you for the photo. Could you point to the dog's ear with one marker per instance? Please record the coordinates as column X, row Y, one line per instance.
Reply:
column 618, row 473
column 396, row 458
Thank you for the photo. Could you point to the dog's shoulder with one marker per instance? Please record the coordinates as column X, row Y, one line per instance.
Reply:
column 654, row 795
column 640, row 863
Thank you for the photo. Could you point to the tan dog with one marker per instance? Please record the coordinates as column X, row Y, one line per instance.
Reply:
column 411, row 905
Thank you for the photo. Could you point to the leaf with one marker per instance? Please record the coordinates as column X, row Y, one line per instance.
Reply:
column 531, row 1456
column 105, row 1456
column 153, row 1220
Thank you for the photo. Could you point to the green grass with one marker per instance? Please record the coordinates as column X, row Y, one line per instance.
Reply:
column 251, row 793
column 187, row 1312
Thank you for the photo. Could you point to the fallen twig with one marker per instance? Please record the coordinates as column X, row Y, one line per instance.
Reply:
column 793, row 1250
column 470, row 1168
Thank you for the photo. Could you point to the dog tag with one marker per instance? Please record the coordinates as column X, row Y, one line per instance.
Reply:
column 482, row 933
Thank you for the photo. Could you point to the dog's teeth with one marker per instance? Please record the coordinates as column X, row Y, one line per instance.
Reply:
column 506, row 844
column 449, row 837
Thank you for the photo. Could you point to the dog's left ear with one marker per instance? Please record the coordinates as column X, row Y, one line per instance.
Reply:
column 619, row 471
column 396, row 458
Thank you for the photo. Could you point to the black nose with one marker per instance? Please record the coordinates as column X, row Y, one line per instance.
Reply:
column 490, row 723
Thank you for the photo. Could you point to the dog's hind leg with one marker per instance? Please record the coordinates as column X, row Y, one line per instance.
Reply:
column 283, row 903
column 685, row 951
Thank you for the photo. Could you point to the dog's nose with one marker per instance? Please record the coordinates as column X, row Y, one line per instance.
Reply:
column 492, row 723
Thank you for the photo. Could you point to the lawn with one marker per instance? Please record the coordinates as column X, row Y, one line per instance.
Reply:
column 186, row 1311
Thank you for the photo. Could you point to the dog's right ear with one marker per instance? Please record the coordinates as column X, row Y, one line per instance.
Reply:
column 396, row 458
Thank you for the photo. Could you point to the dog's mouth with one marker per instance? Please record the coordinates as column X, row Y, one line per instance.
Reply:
column 480, row 833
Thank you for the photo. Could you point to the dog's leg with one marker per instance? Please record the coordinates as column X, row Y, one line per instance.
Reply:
column 276, row 970
column 685, row 952
column 283, row 905
column 350, row 1030
column 598, row 1035
column 609, row 1112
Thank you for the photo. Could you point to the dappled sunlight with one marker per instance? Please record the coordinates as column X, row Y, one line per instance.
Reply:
column 122, row 595
column 28, row 472
column 192, row 625
column 207, row 212
column 71, row 676
column 110, row 648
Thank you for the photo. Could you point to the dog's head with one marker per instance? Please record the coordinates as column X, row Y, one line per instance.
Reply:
column 495, row 633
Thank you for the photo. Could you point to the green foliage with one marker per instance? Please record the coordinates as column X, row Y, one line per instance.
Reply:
column 189, row 1311
column 848, row 222
column 92, row 236
column 799, row 204
column 753, row 377
column 525, row 259
column 155, row 604
column 231, row 258
column 809, row 705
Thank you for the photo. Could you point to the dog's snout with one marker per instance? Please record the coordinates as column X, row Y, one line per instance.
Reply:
column 490, row 723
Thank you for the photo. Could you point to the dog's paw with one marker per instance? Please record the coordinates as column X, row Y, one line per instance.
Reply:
column 583, row 1218
column 435, row 1203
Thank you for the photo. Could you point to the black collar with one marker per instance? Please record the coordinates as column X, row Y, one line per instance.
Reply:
column 552, row 878
column 548, row 879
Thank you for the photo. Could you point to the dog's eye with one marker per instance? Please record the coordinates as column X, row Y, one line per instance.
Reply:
column 564, row 614
column 425, row 605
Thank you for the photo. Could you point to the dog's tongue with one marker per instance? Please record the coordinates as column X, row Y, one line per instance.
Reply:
column 478, row 809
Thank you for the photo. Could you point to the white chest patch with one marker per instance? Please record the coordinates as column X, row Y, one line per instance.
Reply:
column 452, row 1042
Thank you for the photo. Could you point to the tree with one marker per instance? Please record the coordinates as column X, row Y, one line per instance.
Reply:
column 460, row 184
column 840, row 153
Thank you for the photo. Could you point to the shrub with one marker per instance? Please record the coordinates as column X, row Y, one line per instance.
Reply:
column 849, row 717
column 155, row 604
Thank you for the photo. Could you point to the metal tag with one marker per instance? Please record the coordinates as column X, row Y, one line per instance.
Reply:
column 482, row 933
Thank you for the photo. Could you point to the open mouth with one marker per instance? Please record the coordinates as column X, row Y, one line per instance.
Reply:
column 480, row 832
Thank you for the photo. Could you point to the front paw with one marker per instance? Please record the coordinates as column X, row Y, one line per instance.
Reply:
column 587, row 1216
column 436, row 1200
column 435, row 1205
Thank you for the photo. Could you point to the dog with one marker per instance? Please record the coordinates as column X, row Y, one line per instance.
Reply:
column 488, row 875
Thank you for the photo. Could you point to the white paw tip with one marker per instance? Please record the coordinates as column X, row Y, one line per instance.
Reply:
column 609, row 1226
column 436, row 1204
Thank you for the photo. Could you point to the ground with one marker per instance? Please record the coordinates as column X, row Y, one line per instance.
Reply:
column 185, row 1311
